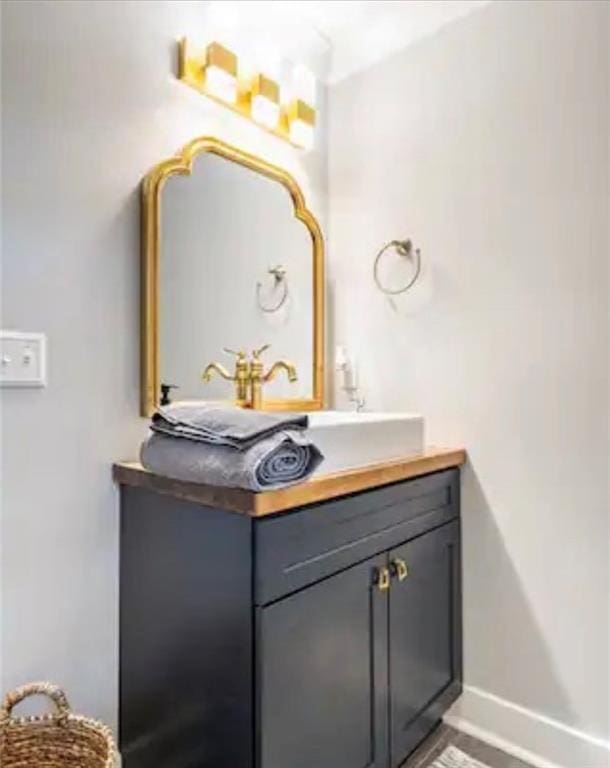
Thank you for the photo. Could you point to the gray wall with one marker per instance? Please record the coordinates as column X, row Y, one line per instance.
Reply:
column 490, row 150
column 89, row 105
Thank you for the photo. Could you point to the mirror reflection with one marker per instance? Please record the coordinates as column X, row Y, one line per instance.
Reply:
column 235, row 272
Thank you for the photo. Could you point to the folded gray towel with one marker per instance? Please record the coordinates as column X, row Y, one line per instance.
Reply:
column 220, row 425
column 276, row 461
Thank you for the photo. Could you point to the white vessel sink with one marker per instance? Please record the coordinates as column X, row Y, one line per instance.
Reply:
column 349, row 439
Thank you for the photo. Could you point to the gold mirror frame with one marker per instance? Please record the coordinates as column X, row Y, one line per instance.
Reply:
column 182, row 164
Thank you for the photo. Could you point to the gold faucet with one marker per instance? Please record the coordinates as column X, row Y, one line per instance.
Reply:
column 249, row 376
column 258, row 377
column 241, row 375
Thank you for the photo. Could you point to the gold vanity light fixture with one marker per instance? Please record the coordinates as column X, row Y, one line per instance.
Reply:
column 220, row 73
column 217, row 72
column 265, row 101
column 301, row 123
column 210, row 69
column 301, row 115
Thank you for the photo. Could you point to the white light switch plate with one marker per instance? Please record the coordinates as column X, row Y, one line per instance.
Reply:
column 23, row 359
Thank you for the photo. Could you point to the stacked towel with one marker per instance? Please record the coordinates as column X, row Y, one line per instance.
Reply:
column 230, row 447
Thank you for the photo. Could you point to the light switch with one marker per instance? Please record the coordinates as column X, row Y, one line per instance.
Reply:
column 23, row 359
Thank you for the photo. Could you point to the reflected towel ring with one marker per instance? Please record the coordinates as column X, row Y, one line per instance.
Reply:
column 279, row 278
column 405, row 249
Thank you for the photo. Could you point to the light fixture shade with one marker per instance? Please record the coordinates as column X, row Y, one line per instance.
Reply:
column 301, row 122
column 265, row 95
column 303, row 85
column 221, row 73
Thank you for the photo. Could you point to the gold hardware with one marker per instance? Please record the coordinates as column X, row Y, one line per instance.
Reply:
column 222, row 58
column 182, row 164
column 403, row 248
column 258, row 377
column 256, row 353
column 220, row 369
column 383, row 579
column 241, row 375
column 193, row 62
column 301, row 120
column 399, row 569
column 279, row 278
column 282, row 365
column 299, row 110
column 249, row 375
column 264, row 86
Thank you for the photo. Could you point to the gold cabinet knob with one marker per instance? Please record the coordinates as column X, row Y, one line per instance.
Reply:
column 382, row 579
column 399, row 569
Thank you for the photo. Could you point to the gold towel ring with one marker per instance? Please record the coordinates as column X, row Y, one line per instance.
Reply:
column 279, row 278
column 405, row 249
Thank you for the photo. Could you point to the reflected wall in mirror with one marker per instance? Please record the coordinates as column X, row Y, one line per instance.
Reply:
column 222, row 229
column 232, row 258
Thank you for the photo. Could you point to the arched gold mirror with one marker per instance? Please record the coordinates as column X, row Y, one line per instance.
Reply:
column 231, row 258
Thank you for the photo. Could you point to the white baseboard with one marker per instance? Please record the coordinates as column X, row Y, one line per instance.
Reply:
column 527, row 735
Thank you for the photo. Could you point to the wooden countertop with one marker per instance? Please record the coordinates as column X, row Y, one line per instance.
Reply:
column 317, row 489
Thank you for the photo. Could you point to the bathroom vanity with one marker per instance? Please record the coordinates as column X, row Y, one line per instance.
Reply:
column 317, row 626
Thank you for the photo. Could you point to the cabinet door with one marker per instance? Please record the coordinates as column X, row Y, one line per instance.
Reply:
column 322, row 674
column 425, row 667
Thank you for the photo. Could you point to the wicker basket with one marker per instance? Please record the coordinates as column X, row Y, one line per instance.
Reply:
column 57, row 740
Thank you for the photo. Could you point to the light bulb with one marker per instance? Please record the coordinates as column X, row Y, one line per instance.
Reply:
column 265, row 112
column 265, row 94
column 303, row 85
column 221, row 73
column 221, row 84
column 301, row 134
column 301, row 120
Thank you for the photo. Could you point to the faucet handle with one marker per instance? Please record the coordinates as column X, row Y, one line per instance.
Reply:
column 256, row 353
column 239, row 354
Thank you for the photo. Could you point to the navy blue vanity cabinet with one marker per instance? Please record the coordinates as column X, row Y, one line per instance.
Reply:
column 425, row 636
column 327, row 636
column 323, row 674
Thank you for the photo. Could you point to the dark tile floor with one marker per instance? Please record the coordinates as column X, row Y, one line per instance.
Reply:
column 427, row 752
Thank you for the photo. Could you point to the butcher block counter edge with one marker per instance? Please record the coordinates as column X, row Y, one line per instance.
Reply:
column 317, row 489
